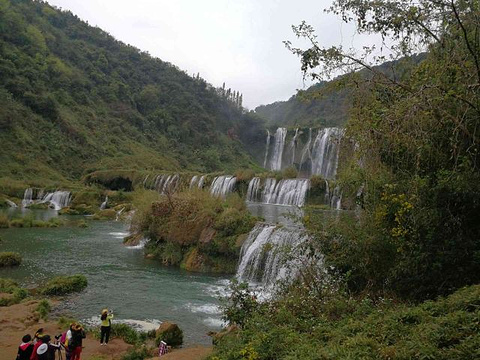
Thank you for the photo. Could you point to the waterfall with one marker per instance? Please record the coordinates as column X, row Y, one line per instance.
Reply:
column 145, row 181
column 325, row 152
column 104, row 204
column 253, row 189
column 164, row 183
column 333, row 198
column 265, row 256
column 57, row 199
column 197, row 181
column 222, row 185
column 306, row 155
column 283, row 192
column 266, row 150
column 27, row 197
column 11, row 203
column 279, row 138
column 293, row 145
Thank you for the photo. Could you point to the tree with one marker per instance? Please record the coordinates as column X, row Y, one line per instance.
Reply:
column 414, row 122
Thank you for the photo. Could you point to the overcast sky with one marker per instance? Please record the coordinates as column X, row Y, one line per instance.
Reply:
column 236, row 42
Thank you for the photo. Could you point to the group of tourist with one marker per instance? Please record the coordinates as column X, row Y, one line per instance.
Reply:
column 41, row 346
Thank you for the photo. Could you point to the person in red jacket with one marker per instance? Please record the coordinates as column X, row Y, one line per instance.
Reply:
column 25, row 349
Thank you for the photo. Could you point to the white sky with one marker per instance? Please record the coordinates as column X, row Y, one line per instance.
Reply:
column 236, row 42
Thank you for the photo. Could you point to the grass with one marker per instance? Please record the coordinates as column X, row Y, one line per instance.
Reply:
column 303, row 325
column 9, row 259
column 14, row 291
column 64, row 285
column 43, row 309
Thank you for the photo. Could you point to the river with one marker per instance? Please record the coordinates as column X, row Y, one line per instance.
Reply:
column 119, row 277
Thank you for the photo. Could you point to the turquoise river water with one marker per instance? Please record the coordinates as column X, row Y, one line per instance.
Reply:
column 119, row 277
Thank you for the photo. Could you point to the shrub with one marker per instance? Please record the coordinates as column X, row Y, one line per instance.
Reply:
column 15, row 293
column 125, row 332
column 63, row 285
column 170, row 333
column 4, row 223
column 137, row 354
column 8, row 259
column 43, row 308
column 290, row 173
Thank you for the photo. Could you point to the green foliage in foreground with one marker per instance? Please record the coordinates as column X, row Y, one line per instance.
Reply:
column 308, row 323
column 137, row 354
column 8, row 259
column 63, row 285
column 14, row 293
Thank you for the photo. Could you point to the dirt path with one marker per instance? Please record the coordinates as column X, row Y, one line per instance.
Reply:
column 18, row 320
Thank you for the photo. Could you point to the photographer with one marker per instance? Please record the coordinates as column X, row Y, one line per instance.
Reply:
column 106, row 318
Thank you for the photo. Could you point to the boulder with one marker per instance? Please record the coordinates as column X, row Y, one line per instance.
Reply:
column 170, row 333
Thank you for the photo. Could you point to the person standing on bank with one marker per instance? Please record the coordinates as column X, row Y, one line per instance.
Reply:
column 106, row 319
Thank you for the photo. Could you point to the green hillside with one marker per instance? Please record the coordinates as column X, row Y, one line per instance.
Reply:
column 317, row 106
column 74, row 100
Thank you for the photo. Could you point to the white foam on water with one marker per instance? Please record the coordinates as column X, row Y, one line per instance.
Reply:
column 210, row 309
column 123, row 234
column 214, row 322
column 140, row 245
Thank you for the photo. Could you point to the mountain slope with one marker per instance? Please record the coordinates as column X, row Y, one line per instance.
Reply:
column 74, row 100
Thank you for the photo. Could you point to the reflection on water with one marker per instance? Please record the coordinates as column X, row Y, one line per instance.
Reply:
column 288, row 215
column 135, row 288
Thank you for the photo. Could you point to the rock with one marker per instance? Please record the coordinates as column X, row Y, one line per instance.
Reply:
column 170, row 333
column 229, row 331
column 194, row 261
column 132, row 240
column 207, row 235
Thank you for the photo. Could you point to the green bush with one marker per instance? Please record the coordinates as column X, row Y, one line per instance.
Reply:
column 170, row 333
column 63, row 285
column 15, row 293
column 290, row 173
column 137, row 354
column 8, row 259
column 4, row 223
column 125, row 332
column 43, row 308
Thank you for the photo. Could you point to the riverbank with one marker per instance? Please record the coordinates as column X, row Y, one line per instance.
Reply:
column 18, row 320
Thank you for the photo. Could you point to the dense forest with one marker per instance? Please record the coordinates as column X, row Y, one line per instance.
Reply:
column 75, row 100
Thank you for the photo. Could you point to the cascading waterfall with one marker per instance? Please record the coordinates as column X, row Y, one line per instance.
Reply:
column 57, row 199
column 104, row 204
column 279, row 144
column 27, row 197
column 283, row 192
column 325, row 151
column 223, row 185
column 306, row 167
column 11, row 203
column 197, row 181
column 164, row 183
column 334, row 197
column 266, row 255
column 266, row 150
column 293, row 145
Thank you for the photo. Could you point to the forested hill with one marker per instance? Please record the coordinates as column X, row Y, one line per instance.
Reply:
column 329, row 109
column 73, row 100
column 327, row 104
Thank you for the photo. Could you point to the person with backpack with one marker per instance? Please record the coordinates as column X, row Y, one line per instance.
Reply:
column 75, row 344
column 46, row 351
column 106, row 318
column 25, row 349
